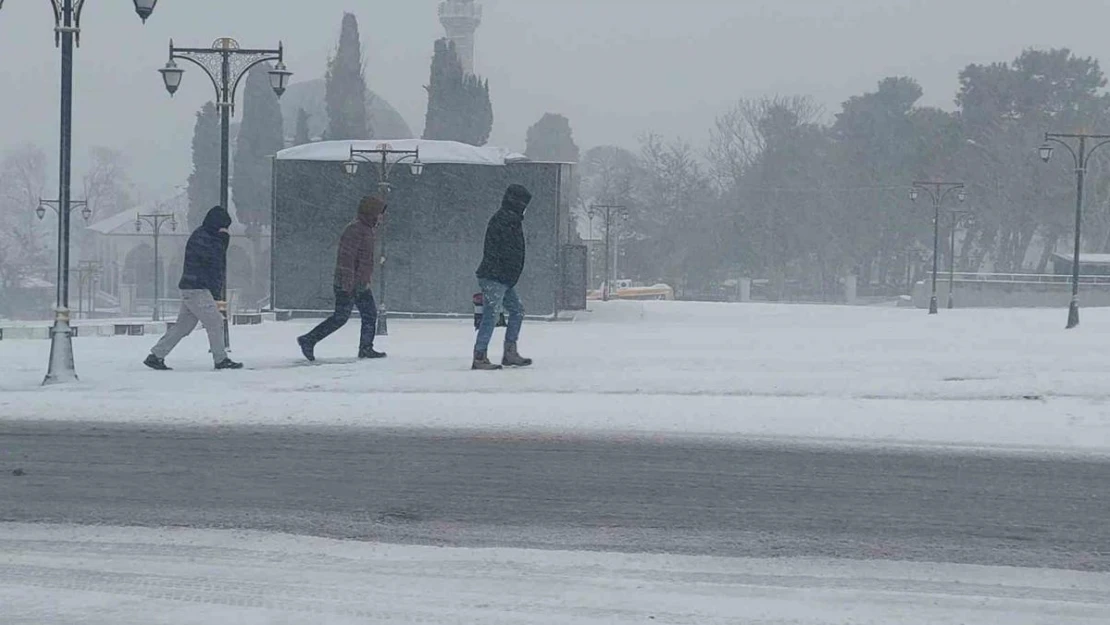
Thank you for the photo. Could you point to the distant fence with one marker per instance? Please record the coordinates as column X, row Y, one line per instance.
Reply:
column 1012, row 290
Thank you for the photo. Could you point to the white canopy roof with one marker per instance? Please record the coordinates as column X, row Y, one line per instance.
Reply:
column 431, row 152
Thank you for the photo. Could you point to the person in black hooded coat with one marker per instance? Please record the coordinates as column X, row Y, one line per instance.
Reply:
column 201, row 285
column 502, row 263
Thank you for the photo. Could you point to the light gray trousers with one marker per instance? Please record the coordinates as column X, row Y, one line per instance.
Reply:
column 196, row 305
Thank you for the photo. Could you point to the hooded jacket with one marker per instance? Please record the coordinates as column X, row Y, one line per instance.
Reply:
column 503, row 257
column 206, row 254
column 354, row 263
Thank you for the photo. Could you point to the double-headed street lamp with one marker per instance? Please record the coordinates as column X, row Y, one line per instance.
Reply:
column 226, row 64
column 1081, row 157
column 385, row 158
column 67, row 34
column 937, row 191
column 608, row 212
column 156, row 221
column 958, row 217
column 40, row 211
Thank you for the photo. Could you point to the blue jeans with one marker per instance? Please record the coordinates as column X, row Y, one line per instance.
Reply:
column 498, row 297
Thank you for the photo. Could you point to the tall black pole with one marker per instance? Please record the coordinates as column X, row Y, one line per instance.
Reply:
column 952, row 262
column 1080, row 173
column 157, row 277
column 608, row 258
column 61, row 367
column 936, row 247
column 225, row 169
column 382, row 326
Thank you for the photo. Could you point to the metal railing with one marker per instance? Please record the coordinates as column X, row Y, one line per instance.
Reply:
column 1028, row 278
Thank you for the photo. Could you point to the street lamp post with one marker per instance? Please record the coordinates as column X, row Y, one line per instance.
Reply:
column 156, row 221
column 958, row 216
column 225, row 63
column 607, row 212
column 40, row 211
column 380, row 157
column 937, row 191
column 67, row 35
column 1081, row 157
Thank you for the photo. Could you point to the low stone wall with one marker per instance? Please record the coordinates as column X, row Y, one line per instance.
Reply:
column 110, row 327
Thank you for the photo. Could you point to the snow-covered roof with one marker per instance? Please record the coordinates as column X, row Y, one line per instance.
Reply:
column 431, row 152
column 124, row 222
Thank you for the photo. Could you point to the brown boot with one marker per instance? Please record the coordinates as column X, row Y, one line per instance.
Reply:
column 482, row 363
column 512, row 357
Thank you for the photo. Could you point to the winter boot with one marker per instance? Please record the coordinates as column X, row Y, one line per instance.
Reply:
column 482, row 363
column 156, row 363
column 512, row 357
column 228, row 363
column 307, row 347
column 369, row 353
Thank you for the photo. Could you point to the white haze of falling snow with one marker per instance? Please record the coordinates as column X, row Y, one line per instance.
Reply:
column 616, row 68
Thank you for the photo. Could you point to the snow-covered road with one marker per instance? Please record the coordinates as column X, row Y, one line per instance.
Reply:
column 107, row 576
column 986, row 378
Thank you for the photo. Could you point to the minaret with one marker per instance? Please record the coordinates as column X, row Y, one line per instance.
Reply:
column 460, row 18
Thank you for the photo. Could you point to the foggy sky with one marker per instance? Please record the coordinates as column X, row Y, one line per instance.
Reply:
column 616, row 68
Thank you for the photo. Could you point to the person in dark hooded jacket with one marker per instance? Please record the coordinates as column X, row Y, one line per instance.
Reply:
column 502, row 263
column 201, row 285
column 354, row 268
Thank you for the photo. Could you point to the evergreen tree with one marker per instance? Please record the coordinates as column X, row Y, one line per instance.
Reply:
column 260, row 137
column 459, row 107
column 346, row 87
column 204, row 182
column 302, row 135
column 551, row 139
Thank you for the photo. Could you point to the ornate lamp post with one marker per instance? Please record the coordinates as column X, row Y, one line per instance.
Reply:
column 1081, row 156
column 156, row 221
column 40, row 211
column 225, row 63
column 67, row 35
column 607, row 212
column 937, row 191
column 385, row 158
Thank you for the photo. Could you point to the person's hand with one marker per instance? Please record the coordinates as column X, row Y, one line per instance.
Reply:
column 221, row 306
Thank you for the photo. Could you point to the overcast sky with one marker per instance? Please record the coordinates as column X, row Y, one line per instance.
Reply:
column 616, row 68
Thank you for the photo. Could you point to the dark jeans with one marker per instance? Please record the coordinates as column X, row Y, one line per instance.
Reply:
column 344, row 304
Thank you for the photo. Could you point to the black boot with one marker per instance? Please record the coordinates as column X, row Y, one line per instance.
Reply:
column 512, row 357
column 228, row 363
column 156, row 363
column 368, row 353
column 482, row 363
column 308, row 348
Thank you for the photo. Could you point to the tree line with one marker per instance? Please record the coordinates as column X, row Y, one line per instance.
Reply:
column 788, row 194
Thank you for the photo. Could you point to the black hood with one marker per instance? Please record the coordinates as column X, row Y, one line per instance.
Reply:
column 216, row 219
column 516, row 199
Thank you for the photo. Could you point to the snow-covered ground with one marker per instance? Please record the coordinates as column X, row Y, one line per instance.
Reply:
column 999, row 378
column 60, row 574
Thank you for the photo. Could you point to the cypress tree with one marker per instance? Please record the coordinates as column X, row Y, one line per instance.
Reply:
column 261, row 135
column 204, row 181
column 345, row 94
column 459, row 107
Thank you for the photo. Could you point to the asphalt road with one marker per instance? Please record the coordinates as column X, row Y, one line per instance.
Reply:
column 632, row 495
